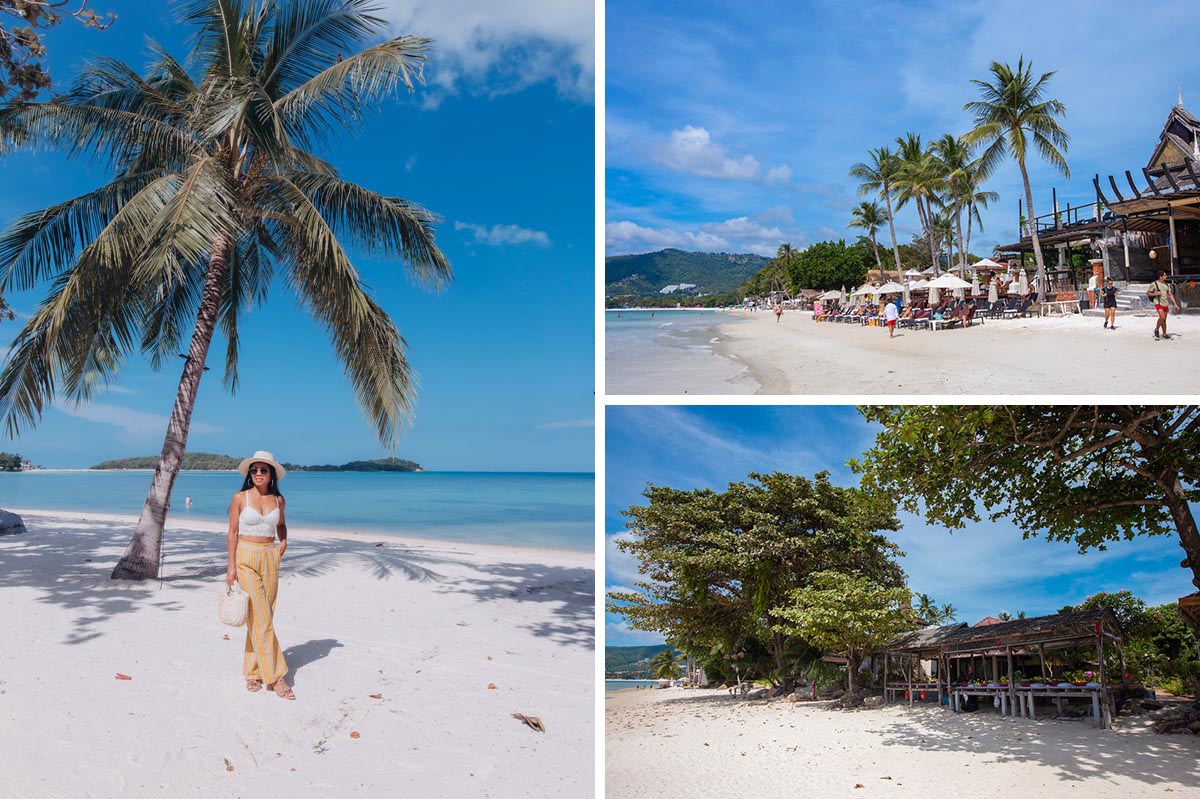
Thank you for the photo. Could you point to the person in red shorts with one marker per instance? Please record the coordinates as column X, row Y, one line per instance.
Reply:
column 890, row 315
column 1160, row 293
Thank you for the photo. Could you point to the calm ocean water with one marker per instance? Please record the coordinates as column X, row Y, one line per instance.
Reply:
column 665, row 352
column 520, row 509
column 622, row 685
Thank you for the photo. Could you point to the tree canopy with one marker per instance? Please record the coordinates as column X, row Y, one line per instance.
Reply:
column 1090, row 474
column 847, row 612
column 718, row 564
column 830, row 265
column 22, row 75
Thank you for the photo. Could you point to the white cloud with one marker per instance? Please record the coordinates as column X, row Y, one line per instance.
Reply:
column 500, row 235
column 132, row 422
column 692, row 151
column 482, row 45
column 740, row 234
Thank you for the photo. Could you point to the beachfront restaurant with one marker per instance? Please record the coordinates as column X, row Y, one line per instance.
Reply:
column 1014, row 666
column 1135, row 224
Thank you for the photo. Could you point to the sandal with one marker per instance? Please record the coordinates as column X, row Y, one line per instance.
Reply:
column 253, row 684
column 286, row 693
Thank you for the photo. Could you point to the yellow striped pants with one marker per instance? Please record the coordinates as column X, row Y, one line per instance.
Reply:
column 258, row 574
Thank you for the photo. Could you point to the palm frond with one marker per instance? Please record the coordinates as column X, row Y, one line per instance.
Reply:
column 387, row 226
column 308, row 37
column 337, row 96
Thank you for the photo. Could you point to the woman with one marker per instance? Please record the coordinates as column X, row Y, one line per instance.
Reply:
column 255, row 520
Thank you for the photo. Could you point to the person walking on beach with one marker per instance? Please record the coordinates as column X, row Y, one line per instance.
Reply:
column 890, row 315
column 778, row 313
column 1160, row 292
column 255, row 520
column 1109, row 294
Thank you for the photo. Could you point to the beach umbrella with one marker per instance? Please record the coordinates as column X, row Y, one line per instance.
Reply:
column 891, row 287
column 933, row 294
column 863, row 290
column 907, row 294
column 993, row 295
column 913, row 273
column 1023, row 283
column 919, row 284
column 949, row 281
column 974, row 285
column 987, row 263
column 830, row 295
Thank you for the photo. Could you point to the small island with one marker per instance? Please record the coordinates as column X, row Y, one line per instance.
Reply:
column 205, row 461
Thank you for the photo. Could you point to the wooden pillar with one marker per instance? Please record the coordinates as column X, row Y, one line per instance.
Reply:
column 1045, row 669
column 1125, row 242
column 1012, row 684
column 1174, row 243
column 1100, row 707
column 887, row 660
column 910, row 680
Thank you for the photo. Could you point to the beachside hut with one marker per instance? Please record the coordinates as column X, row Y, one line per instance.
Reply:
column 955, row 648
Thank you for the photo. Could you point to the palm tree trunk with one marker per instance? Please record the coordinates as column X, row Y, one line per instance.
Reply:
column 875, row 247
column 962, row 248
column 927, row 221
column 887, row 199
column 970, row 210
column 1037, row 244
column 141, row 558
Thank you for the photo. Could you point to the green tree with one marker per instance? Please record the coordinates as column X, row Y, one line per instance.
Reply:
column 22, row 74
column 926, row 608
column 716, row 563
column 947, row 613
column 847, row 612
column 1083, row 473
column 665, row 665
column 829, row 265
column 1011, row 116
column 869, row 217
column 215, row 196
column 877, row 174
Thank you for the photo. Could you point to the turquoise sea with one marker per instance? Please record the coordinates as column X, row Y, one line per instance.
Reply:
column 518, row 509
column 624, row 685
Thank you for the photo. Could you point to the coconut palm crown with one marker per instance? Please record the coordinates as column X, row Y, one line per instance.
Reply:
column 215, row 197
column 1012, row 116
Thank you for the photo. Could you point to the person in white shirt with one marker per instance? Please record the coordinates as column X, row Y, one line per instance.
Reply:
column 890, row 315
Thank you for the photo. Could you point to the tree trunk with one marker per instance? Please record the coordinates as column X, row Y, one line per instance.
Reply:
column 851, row 673
column 875, row 247
column 926, row 216
column 887, row 199
column 1043, row 283
column 962, row 247
column 1185, row 525
column 141, row 558
column 967, row 243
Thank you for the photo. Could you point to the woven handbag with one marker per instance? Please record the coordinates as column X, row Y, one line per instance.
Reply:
column 232, row 605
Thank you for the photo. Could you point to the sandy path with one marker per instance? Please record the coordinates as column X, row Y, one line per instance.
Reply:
column 425, row 624
column 679, row 742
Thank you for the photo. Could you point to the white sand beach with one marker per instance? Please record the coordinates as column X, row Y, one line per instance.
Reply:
column 453, row 637
column 1052, row 355
column 702, row 743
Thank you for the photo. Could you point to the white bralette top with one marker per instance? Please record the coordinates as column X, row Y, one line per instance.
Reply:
column 251, row 522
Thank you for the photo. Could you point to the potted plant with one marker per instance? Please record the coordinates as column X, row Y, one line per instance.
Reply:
column 1090, row 677
column 1020, row 678
column 1004, row 681
column 1075, row 677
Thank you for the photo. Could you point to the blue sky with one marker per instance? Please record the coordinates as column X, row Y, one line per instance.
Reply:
column 731, row 127
column 982, row 570
column 500, row 144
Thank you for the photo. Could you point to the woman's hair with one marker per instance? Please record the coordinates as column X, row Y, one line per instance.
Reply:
column 272, row 484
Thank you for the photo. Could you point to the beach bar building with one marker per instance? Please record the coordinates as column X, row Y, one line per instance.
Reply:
column 1138, row 221
column 958, row 665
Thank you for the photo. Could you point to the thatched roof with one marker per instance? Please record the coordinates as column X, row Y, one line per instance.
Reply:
column 1056, row 630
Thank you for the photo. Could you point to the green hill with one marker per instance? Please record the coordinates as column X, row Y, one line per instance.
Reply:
column 636, row 276
column 630, row 662
column 204, row 461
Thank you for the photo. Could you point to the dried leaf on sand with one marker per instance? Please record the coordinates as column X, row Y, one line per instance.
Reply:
column 121, row 676
column 533, row 722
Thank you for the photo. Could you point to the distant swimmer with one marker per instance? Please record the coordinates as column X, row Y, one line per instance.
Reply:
column 188, row 502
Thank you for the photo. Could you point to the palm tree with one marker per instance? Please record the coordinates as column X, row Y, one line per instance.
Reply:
column 1012, row 117
column 920, row 178
column 976, row 200
column 215, row 192
column 782, row 272
column 877, row 175
column 869, row 216
column 665, row 665
column 926, row 608
column 947, row 613
column 954, row 155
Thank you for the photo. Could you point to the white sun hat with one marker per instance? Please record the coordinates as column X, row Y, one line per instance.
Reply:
column 262, row 456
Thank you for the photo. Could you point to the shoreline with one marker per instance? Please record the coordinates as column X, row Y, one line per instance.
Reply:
column 222, row 527
column 408, row 662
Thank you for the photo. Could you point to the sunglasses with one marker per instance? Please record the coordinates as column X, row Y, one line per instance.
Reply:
column 259, row 470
